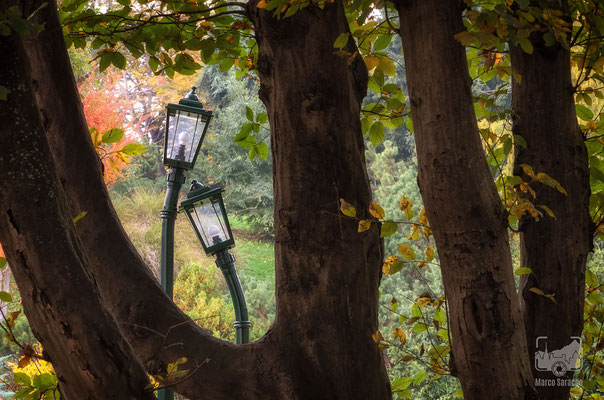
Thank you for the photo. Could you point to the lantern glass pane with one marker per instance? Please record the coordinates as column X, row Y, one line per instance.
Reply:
column 209, row 221
column 184, row 133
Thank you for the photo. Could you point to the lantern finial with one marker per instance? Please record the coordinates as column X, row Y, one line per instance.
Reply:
column 192, row 95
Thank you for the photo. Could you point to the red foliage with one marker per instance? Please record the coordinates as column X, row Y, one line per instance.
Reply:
column 106, row 104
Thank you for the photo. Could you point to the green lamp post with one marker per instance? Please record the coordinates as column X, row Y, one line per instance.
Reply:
column 186, row 126
column 206, row 212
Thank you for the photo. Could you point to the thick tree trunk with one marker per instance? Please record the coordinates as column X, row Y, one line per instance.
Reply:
column 555, row 249
column 91, row 358
column 464, row 209
column 157, row 330
column 327, row 274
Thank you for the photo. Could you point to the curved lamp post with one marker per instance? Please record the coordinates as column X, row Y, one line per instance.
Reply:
column 206, row 213
column 186, row 126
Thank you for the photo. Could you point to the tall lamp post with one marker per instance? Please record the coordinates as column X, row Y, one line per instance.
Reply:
column 186, row 126
column 206, row 212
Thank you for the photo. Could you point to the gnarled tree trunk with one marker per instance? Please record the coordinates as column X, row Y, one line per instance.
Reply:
column 327, row 274
column 555, row 249
column 59, row 295
column 463, row 207
column 320, row 346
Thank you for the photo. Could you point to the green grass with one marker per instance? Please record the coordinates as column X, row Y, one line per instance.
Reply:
column 256, row 257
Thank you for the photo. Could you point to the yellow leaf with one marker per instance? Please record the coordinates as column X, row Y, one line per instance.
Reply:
column 400, row 334
column 422, row 301
column 421, row 264
column 97, row 137
column 261, row 4
column 438, row 370
column 376, row 210
column 206, row 25
column 79, row 216
column 408, row 357
column 387, row 65
column 347, row 209
column 538, row 291
column 371, row 61
column 364, row 225
column 429, row 253
column 405, row 203
column 386, row 269
column 416, row 232
column 406, row 251
column 422, row 217
column 377, row 336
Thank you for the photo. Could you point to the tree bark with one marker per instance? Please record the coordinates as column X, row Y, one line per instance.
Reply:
column 91, row 358
column 327, row 274
column 463, row 207
column 555, row 249
column 320, row 346
column 156, row 329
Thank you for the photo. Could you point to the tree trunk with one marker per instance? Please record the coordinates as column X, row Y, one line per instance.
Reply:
column 320, row 346
column 463, row 207
column 91, row 358
column 555, row 249
column 327, row 274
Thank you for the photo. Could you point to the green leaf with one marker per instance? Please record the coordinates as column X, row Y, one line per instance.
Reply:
column 22, row 393
column 419, row 327
column 526, row 45
column 409, row 123
column 590, row 279
column 134, row 149
column 341, row 41
column 382, row 42
column 4, row 91
column 225, row 64
column 246, row 141
column 249, row 114
column 396, row 267
column 104, row 62
column 419, row 377
column 262, row 150
column 21, row 379
column 519, row 141
column 376, row 133
column 5, row 297
column 2, row 262
column 583, row 112
column 261, row 118
column 113, row 135
column 523, row 271
column 388, row 228
column 153, row 63
column 118, row 59
column 365, row 125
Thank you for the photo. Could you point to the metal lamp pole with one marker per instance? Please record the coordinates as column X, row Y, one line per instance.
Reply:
column 176, row 177
column 226, row 262
column 186, row 126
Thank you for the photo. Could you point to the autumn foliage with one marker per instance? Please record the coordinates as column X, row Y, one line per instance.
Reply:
column 106, row 106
